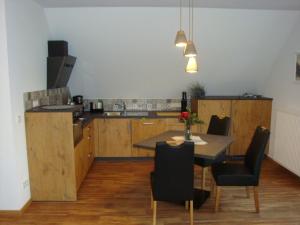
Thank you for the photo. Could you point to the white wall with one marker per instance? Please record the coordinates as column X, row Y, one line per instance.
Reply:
column 281, row 84
column 9, row 195
column 27, row 34
column 129, row 52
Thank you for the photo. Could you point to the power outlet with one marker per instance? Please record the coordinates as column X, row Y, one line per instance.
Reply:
column 25, row 184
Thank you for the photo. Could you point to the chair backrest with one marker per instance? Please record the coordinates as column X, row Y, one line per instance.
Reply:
column 174, row 172
column 219, row 126
column 256, row 150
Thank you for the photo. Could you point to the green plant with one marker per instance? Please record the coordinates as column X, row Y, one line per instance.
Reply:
column 197, row 90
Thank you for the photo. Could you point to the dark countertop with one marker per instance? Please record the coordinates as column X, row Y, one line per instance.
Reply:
column 72, row 108
column 88, row 117
column 234, row 98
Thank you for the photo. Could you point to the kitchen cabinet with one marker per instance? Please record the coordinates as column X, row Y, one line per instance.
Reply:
column 114, row 137
column 206, row 108
column 175, row 124
column 84, row 154
column 143, row 129
column 56, row 166
column 51, row 159
column 245, row 114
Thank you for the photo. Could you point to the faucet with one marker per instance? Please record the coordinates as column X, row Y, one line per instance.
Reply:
column 121, row 105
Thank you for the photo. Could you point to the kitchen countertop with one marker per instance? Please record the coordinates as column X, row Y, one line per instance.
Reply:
column 88, row 117
column 237, row 97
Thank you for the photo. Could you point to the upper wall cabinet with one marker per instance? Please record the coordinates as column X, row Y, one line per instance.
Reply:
column 245, row 114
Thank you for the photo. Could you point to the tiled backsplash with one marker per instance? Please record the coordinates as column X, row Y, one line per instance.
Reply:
column 138, row 104
column 60, row 96
column 57, row 96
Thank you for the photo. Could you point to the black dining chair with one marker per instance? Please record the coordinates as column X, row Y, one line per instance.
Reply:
column 243, row 174
column 217, row 126
column 173, row 175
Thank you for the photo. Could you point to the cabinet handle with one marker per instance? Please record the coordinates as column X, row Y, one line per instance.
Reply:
column 89, row 137
column 148, row 123
column 89, row 155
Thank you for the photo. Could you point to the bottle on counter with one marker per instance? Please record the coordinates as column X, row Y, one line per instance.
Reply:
column 184, row 102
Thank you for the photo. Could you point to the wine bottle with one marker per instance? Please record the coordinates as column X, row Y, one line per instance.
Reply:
column 184, row 102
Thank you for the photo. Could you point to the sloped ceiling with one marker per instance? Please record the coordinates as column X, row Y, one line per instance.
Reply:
column 234, row 4
column 130, row 52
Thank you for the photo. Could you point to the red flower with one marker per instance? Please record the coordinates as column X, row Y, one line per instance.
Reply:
column 185, row 115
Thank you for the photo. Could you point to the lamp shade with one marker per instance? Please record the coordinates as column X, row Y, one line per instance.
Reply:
column 192, row 66
column 190, row 50
column 180, row 40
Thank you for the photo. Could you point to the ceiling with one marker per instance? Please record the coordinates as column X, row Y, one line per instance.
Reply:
column 232, row 4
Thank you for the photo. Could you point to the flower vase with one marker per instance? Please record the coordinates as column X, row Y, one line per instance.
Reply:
column 188, row 133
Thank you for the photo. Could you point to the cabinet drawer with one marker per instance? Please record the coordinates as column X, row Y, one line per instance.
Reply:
column 143, row 129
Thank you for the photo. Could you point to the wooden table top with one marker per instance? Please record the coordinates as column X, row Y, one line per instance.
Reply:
column 216, row 144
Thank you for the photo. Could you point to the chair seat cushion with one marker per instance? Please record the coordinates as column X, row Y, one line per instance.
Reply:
column 208, row 162
column 233, row 174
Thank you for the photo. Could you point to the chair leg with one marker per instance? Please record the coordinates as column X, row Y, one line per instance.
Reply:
column 151, row 200
column 256, row 199
column 212, row 187
column 203, row 177
column 187, row 205
column 247, row 192
column 218, row 195
column 154, row 212
column 191, row 212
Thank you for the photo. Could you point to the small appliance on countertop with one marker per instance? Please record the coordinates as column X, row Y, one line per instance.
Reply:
column 78, row 99
column 97, row 107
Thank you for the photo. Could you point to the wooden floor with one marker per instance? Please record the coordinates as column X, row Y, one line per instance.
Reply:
column 119, row 193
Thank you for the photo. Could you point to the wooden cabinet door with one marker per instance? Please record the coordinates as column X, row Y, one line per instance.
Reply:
column 207, row 108
column 114, row 138
column 175, row 124
column 143, row 129
column 79, row 164
column 246, row 116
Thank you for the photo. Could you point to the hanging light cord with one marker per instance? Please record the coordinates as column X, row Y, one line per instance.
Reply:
column 192, row 30
column 189, row 19
column 180, row 17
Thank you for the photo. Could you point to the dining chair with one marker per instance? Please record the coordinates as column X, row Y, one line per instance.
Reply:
column 243, row 174
column 217, row 126
column 173, row 175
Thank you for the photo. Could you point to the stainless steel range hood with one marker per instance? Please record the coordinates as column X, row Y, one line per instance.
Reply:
column 59, row 64
column 59, row 70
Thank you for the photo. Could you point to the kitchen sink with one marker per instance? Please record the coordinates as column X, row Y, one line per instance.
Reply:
column 113, row 113
column 129, row 114
column 145, row 114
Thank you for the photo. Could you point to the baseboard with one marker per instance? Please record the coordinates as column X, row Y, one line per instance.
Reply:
column 277, row 163
column 16, row 212
column 123, row 158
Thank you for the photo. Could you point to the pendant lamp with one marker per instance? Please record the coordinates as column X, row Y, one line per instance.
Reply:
column 180, row 40
column 192, row 66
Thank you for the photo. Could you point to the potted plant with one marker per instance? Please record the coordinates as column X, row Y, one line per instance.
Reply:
column 189, row 119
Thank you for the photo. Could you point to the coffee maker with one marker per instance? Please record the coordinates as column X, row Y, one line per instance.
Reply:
column 78, row 99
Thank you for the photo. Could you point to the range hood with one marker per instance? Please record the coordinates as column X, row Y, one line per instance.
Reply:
column 59, row 64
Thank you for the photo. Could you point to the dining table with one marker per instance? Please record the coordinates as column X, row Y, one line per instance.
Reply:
column 210, row 147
